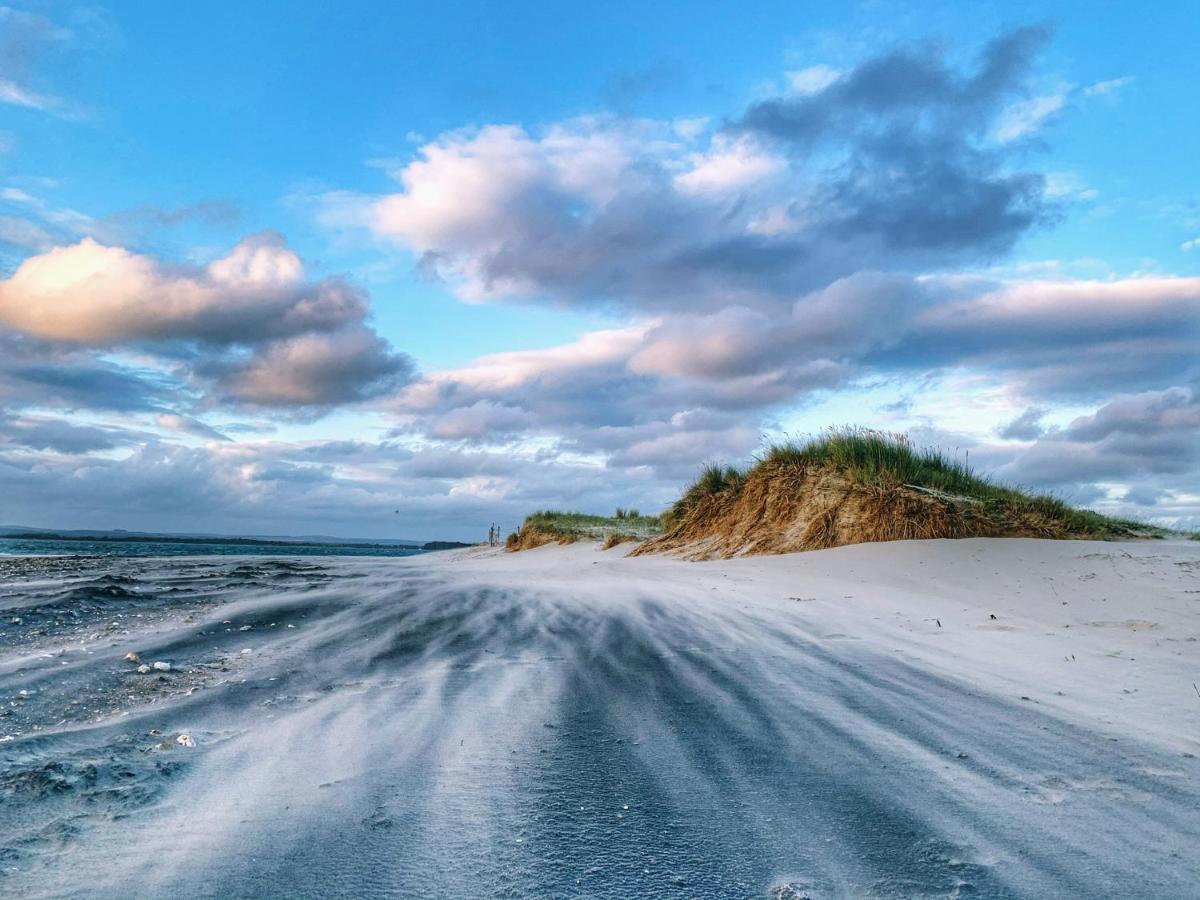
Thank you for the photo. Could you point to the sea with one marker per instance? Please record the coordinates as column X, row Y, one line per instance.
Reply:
column 44, row 547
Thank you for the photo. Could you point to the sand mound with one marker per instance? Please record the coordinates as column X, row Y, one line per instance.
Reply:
column 786, row 506
column 530, row 536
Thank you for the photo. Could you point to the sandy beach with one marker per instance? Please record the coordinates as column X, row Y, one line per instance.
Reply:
column 985, row 718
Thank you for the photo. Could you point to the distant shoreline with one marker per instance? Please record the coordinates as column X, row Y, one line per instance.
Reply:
column 175, row 539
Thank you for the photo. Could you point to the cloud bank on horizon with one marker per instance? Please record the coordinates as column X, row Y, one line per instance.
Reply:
column 841, row 247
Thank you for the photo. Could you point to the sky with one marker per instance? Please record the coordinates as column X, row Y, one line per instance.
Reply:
column 382, row 271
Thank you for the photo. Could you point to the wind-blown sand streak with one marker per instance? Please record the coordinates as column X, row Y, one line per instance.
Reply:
column 566, row 722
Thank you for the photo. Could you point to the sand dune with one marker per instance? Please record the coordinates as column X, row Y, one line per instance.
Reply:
column 567, row 722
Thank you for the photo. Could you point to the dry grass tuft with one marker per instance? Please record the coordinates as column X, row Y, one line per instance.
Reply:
column 531, row 536
column 616, row 538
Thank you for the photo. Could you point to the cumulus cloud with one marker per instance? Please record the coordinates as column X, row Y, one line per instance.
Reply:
column 1150, row 440
column 94, row 294
column 251, row 327
column 311, row 370
column 1025, row 427
column 888, row 166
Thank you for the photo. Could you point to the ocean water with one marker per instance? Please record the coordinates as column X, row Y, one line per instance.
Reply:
column 19, row 547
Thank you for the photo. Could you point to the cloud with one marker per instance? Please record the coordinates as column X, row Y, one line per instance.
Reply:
column 21, row 232
column 889, row 166
column 1025, row 427
column 814, row 79
column 188, row 425
column 314, row 370
column 36, row 373
column 1027, row 116
column 25, row 38
column 709, row 382
column 627, row 87
column 213, row 213
column 94, row 294
column 483, row 419
column 1107, row 88
column 250, row 328
column 352, row 489
column 1069, row 338
column 60, row 436
column 1148, row 439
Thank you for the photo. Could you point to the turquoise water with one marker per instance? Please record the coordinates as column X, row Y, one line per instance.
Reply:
column 20, row 547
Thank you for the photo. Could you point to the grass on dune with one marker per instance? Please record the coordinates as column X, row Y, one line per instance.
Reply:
column 547, row 525
column 886, row 459
column 583, row 523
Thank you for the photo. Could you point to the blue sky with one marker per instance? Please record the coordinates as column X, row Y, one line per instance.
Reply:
column 687, row 226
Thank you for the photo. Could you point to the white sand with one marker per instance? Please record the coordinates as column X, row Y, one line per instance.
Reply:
column 1104, row 634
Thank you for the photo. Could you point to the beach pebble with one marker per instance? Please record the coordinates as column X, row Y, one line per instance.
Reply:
column 185, row 740
column 245, row 628
column 143, row 669
column 162, row 667
column 247, row 650
column 132, row 657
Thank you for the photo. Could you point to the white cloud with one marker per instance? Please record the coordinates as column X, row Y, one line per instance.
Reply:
column 96, row 294
column 813, row 79
column 1068, row 186
column 729, row 166
column 21, row 232
column 17, row 95
column 1107, row 88
column 1027, row 116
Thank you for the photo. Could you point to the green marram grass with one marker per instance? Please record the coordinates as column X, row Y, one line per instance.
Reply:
column 585, row 526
